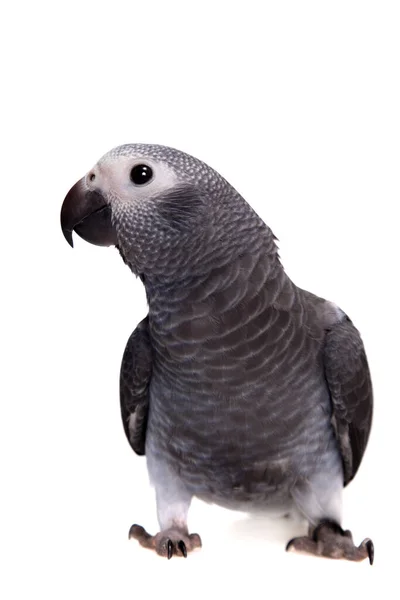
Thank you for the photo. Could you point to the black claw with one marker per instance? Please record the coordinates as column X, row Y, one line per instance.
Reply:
column 370, row 550
column 182, row 548
column 169, row 549
column 135, row 531
column 290, row 542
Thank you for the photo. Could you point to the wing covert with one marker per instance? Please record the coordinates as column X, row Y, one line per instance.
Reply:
column 349, row 382
column 135, row 377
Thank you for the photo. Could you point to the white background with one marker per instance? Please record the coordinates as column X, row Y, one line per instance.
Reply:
column 297, row 105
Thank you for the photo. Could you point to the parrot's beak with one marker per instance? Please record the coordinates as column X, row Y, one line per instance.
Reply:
column 87, row 213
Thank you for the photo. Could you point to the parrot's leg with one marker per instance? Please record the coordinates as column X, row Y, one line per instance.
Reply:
column 173, row 502
column 320, row 502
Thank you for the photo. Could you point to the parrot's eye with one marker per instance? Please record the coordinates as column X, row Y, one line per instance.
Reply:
column 141, row 174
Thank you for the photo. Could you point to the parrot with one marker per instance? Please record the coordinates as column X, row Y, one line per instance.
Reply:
column 240, row 388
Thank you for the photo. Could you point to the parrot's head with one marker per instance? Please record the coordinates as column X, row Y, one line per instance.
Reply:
column 163, row 209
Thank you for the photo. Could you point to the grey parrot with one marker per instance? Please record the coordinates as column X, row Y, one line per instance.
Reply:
column 239, row 387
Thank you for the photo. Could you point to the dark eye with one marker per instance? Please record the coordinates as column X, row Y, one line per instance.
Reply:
column 141, row 174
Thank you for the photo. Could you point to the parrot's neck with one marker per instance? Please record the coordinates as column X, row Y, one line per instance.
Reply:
column 210, row 291
column 219, row 282
column 200, row 323
column 187, row 260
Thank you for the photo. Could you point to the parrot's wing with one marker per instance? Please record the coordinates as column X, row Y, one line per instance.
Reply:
column 134, row 386
column 349, row 382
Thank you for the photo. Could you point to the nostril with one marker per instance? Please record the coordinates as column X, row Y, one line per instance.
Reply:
column 92, row 176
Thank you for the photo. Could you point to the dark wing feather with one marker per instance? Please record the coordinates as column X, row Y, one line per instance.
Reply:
column 134, row 386
column 349, row 381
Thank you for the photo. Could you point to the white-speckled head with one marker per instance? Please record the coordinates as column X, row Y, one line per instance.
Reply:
column 167, row 210
column 112, row 174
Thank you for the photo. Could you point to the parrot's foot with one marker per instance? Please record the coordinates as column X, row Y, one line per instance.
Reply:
column 169, row 543
column 328, row 539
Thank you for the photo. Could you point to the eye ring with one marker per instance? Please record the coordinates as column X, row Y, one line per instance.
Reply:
column 141, row 174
